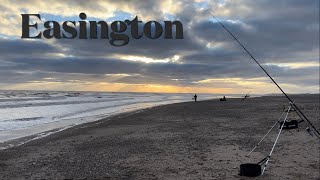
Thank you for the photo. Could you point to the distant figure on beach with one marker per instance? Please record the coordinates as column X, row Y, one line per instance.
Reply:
column 195, row 97
column 223, row 99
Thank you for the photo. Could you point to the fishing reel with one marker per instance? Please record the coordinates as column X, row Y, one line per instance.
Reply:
column 312, row 132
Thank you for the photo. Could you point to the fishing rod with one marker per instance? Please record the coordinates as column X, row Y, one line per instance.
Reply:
column 185, row 88
column 292, row 103
column 246, row 96
column 188, row 92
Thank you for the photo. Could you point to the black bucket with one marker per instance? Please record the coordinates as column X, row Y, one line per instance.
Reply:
column 289, row 124
column 250, row 170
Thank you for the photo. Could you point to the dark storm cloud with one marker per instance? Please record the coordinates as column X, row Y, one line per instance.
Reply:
column 28, row 69
column 25, row 48
column 265, row 39
column 270, row 38
column 158, row 49
column 274, row 31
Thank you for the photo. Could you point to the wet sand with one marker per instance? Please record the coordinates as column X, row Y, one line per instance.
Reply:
column 203, row 140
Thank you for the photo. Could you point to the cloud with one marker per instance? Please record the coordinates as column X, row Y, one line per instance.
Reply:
column 276, row 33
column 23, row 48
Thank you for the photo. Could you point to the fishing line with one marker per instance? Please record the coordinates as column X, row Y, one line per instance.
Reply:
column 185, row 88
column 274, row 145
column 266, row 134
column 179, row 84
column 292, row 103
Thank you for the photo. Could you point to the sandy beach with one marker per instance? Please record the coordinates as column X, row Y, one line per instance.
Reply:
column 202, row 140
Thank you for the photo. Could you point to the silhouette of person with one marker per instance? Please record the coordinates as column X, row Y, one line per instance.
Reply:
column 223, row 99
column 195, row 97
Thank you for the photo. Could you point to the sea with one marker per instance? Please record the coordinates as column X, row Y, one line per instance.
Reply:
column 37, row 114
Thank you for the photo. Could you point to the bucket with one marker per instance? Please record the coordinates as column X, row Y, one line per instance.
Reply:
column 250, row 170
column 289, row 124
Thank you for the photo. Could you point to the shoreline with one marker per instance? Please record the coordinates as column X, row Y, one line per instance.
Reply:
column 23, row 140
column 188, row 140
column 61, row 120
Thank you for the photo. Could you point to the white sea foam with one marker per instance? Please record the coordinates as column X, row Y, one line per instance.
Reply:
column 26, row 113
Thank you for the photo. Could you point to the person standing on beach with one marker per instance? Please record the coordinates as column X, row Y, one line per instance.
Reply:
column 195, row 97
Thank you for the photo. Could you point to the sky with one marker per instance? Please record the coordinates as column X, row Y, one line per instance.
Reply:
column 282, row 35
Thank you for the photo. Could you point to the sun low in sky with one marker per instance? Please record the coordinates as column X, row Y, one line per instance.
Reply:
column 282, row 35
